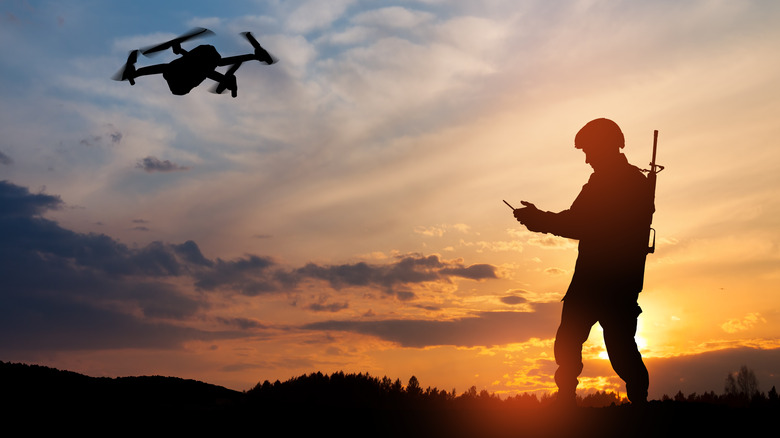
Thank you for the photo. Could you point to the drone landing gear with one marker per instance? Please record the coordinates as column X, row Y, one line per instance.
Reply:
column 227, row 81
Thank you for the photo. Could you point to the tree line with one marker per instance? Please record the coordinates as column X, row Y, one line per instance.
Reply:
column 364, row 390
column 36, row 384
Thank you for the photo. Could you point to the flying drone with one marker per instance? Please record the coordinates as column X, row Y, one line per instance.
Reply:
column 192, row 67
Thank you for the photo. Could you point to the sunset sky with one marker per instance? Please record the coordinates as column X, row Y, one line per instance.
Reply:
column 344, row 211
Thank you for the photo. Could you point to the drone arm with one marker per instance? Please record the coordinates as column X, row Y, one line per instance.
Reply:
column 216, row 76
column 150, row 70
column 177, row 49
column 232, row 60
column 260, row 54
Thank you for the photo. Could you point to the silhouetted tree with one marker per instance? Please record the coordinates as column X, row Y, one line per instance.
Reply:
column 601, row 399
column 743, row 383
column 747, row 381
column 523, row 400
column 413, row 388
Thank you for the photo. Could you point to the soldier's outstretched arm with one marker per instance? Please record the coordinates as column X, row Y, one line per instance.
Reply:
column 564, row 223
column 530, row 216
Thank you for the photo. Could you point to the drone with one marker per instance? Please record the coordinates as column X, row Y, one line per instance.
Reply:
column 193, row 66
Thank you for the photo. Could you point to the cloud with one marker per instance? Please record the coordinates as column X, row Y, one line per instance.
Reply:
column 513, row 300
column 85, row 289
column 554, row 271
column 315, row 15
column 63, row 324
column 18, row 202
column 552, row 242
column 406, row 270
column 255, row 275
column 327, row 307
column 746, row 323
column 250, row 275
column 707, row 371
column 190, row 252
column 242, row 323
column 63, row 290
column 394, row 17
column 5, row 159
column 482, row 329
column 153, row 164
column 113, row 136
column 473, row 272
column 440, row 230
column 495, row 246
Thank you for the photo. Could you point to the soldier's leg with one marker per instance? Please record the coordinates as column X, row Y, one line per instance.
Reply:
column 576, row 323
column 619, row 332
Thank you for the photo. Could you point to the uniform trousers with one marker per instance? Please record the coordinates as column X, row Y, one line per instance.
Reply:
column 618, row 319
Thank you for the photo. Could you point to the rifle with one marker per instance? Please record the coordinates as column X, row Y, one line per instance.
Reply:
column 652, row 177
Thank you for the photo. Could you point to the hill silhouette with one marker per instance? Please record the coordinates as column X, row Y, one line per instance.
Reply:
column 347, row 405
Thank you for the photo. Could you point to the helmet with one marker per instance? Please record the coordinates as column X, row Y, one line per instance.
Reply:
column 601, row 133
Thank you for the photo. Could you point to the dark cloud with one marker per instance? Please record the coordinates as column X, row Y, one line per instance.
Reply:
column 153, row 164
column 482, row 329
column 5, row 159
column 474, row 272
column 190, row 252
column 140, row 226
column 116, row 137
column 63, row 289
column 327, row 307
column 60, row 323
column 255, row 275
column 251, row 275
column 113, row 136
column 18, row 202
column 406, row 270
column 513, row 299
column 242, row 323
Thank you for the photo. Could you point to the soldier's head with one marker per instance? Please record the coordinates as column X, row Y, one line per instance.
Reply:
column 601, row 140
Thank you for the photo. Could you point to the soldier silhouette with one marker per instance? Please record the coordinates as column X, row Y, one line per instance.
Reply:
column 610, row 218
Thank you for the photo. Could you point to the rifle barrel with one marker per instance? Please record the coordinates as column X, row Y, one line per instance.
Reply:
column 655, row 146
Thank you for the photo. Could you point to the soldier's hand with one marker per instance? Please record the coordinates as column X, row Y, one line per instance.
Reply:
column 529, row 205
column 524, row 213
column 530, row 216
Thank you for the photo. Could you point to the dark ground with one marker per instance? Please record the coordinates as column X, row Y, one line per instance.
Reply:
column 45, row 400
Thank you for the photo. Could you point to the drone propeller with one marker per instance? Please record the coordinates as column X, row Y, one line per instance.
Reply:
column 261, row 54
column 176, row 42
column 128, row 71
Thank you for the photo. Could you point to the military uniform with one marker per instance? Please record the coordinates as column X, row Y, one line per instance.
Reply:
column 610, row 218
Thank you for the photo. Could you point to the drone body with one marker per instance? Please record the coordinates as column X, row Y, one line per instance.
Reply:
column 187, row 72
column 194, row 66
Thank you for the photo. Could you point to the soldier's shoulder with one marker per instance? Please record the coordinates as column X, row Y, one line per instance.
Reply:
column 635, row 172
